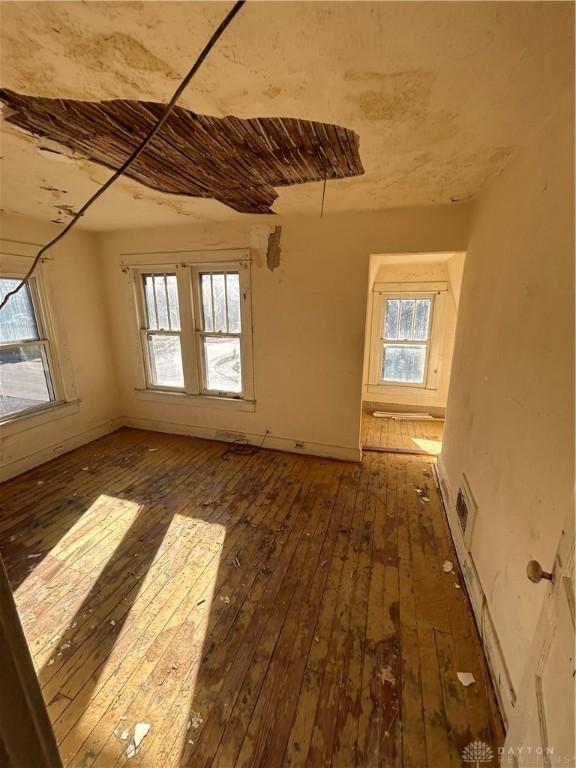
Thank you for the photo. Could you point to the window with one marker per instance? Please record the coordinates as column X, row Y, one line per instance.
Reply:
column 162, row 332
column 195, row 329
column 405, row 339
column 221, row 331
column 26, row 380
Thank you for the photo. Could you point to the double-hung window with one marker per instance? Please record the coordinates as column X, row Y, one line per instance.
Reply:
column 405, row 339
column 26, row 376
column 195, row 328
column 161, row 335
column 220, row 334
column 406, row 335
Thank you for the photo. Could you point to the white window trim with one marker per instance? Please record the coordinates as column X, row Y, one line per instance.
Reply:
column 437, row 291
column 15, row 266
column 187, row 271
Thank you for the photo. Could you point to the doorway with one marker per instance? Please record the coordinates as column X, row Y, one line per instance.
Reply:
column 411, row 316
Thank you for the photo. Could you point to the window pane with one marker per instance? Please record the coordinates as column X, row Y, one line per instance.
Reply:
column 391, row 320
column 406, row 318
column 219, row 303
column 422, row 319
column 173, row 306
column 222, row 364
column 161, row 302
column 233, row 292
column 150, row 304
column 404, row 363
column 17, row 322
column 206, row 284
column 24, row 379
column 162, row 308
column 165, row 360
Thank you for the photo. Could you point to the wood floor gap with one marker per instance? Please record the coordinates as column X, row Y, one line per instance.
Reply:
column 270, row 610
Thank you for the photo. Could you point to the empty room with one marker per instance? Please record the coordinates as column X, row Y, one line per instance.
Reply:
column 287, row 384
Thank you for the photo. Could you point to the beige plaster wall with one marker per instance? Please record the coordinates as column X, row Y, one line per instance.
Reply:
column 73, row 282
column 510, row 415
column 308, row 315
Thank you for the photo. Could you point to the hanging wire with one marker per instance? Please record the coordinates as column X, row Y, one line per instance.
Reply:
column 323, row 195
column 138, row 151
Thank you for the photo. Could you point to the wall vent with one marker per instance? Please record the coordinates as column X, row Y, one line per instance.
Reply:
column 462, row 510
column 466, row 510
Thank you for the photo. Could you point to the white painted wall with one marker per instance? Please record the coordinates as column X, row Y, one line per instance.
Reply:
column 510, row 415
column 74, row 284
column 415, row 270
column 308, row 316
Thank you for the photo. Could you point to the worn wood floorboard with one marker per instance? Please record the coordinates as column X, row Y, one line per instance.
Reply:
column 424, row 436
column 261, row 610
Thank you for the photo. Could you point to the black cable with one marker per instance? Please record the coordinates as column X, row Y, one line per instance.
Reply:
column 241, row 447
column 323, row 194
column 139, row 149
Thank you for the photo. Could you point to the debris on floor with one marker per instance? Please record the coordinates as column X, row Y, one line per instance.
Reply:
column 140, row 732
column 386, row 675
column 225, row 599
column 195, row 721
column 448, row 566
column 466, row 678
column 422, row 493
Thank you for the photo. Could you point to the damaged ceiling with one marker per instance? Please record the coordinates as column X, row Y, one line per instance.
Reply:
column 237, row 162
column 440, row 95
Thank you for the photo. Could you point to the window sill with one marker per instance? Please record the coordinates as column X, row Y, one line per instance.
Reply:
column 386, row 385
column 202, row 401
column 20, row 422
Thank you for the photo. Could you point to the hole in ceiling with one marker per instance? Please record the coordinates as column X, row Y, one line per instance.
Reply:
column 235, row 161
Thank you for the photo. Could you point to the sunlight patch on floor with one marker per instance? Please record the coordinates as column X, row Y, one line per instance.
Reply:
column 52, row 597
column 433, row 447
column 183, row 615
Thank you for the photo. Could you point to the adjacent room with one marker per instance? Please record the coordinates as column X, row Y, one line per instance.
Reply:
column 411, row 317
column 287, row 384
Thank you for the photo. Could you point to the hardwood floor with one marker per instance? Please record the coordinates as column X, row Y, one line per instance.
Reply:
column 402, row 435
column 256, row 610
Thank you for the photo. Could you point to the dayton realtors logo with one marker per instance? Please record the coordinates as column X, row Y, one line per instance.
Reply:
column 477, row 753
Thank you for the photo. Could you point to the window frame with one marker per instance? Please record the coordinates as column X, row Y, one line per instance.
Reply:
column 44, row 341
column 191, row 327
column 405, row 342
column 201, row 333
column 382, row 292
column 146, row 331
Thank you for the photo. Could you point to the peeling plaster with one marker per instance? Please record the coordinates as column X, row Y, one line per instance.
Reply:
column 440, row 106
column 273, row 251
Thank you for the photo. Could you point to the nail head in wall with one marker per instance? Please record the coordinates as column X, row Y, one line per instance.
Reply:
column 273, row 251
column 238, row 162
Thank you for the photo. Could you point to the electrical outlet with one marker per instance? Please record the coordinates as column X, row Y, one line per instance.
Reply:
column 298, row 444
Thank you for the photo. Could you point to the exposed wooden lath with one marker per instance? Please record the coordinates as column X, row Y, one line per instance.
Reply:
column 237, row 162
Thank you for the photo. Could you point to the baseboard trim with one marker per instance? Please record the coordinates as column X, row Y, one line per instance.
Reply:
column 48, row 452
column 323, row 450
column 487, row 633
